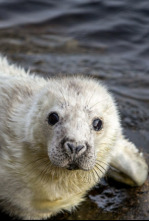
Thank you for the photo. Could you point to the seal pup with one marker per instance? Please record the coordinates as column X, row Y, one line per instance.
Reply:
column 57, row 139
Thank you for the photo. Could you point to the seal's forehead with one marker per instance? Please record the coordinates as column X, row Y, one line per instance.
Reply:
column 81, row 93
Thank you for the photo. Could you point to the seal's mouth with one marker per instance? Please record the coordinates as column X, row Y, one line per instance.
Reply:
column 75, row 166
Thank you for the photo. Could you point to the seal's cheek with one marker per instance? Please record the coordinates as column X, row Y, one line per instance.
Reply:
column 57, row 157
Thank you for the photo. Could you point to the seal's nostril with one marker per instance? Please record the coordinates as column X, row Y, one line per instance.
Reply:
column 79, row 148
column 71, row 147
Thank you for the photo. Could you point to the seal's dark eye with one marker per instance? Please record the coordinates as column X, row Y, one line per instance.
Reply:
column 53, row 118
column 97, row 124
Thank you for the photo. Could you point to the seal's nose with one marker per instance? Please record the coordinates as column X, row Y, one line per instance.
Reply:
column 72, row 149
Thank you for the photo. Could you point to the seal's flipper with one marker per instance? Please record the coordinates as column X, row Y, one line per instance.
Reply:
column 127, row 164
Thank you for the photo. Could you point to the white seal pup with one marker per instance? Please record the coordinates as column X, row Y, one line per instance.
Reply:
column 57, row 138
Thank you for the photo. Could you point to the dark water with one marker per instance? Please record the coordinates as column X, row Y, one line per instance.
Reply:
column 108, row 39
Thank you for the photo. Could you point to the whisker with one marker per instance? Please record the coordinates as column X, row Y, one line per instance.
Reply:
column 97, row 172
column 87, row 104
column 102, row 162
column 44, row 173
column 60, row 102
column 63, row 97
column 99, row 169
column 35, row 162
column 98, row 103
column 94, row 175
column 35, row 165
column 108, row 165
column 99, row 163
column 61, row 94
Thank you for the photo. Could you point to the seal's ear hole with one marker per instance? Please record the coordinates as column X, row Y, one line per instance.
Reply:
column 53, row 118
column 97, row 124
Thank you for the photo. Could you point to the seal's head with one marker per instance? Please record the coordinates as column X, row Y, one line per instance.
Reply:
column 77, row 121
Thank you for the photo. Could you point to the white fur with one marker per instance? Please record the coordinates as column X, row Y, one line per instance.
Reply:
column 30, row 186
